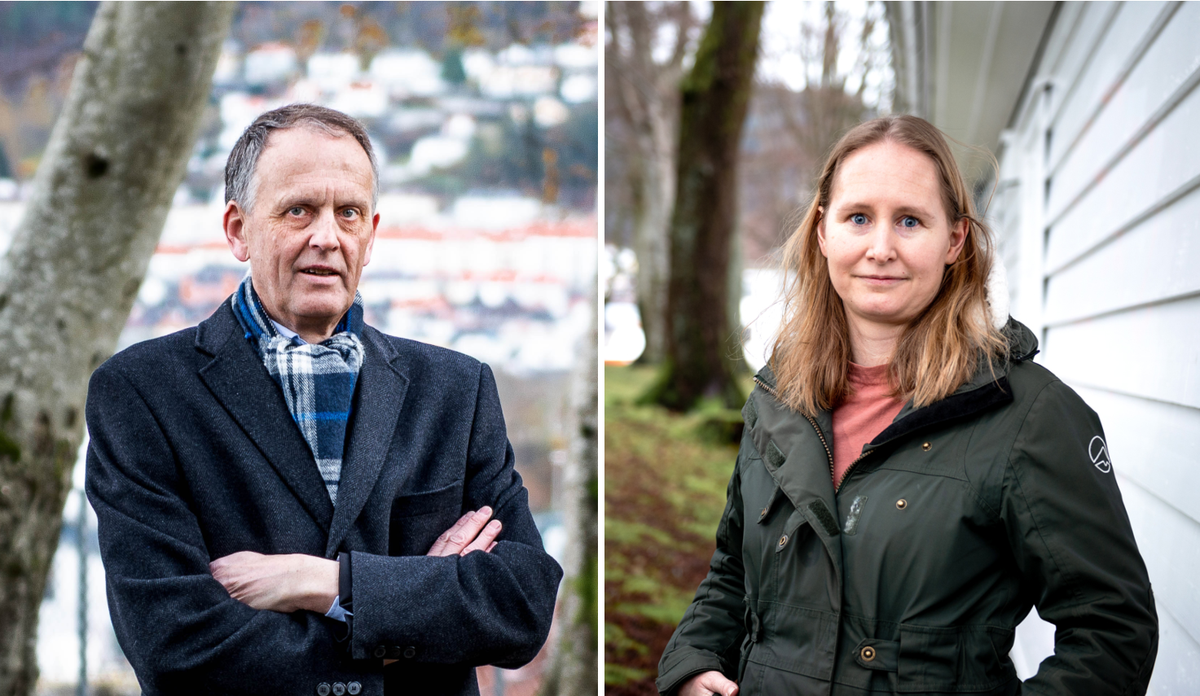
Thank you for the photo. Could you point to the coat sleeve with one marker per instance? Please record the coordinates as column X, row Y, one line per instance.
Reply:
column 482, row 608
column 710, row 635
column 1074, row 546
column 178, row 627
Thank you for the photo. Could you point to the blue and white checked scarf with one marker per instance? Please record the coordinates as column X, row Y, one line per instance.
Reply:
column 317, row 378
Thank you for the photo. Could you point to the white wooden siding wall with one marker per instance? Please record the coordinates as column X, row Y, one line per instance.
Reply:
column 1100, row 185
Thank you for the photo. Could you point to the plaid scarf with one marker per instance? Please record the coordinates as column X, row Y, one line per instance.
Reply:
column 317, row 379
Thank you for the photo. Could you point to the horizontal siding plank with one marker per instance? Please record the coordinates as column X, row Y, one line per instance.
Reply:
column 1093, row 20
column 1100, row 76
column 1156, row 260
column 1153, row 444
column 1149, row 352
column 1162, row 532
column 1177, row 669
column 1062, row 37
column 1166, row 160
column 1166, row 66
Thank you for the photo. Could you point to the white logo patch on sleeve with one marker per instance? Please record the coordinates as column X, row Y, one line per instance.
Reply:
column 1098, row 451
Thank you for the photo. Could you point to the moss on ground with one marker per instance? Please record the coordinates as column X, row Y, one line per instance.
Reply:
column 665, row 480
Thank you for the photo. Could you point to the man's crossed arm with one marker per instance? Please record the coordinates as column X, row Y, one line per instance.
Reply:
column 295, row 581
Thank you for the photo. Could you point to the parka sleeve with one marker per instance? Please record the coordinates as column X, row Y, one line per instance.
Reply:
column 1074, row 546
column 710, row 634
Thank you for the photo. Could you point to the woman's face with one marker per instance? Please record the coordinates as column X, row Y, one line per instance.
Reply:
column 886, row 236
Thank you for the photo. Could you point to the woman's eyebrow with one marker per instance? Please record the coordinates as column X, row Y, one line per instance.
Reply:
column 914, row 211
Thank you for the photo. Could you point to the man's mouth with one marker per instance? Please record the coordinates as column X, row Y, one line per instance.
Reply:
column 318, row 271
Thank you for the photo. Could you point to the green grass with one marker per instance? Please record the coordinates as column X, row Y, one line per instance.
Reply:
column 665, row 480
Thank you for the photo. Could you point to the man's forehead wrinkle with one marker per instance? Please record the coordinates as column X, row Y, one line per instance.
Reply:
column 315, row 191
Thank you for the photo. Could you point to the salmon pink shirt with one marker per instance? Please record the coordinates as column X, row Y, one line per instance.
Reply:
column 861, row 416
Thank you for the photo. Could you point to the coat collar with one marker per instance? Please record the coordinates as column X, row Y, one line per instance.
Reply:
column 236, row 377
column 987, row 388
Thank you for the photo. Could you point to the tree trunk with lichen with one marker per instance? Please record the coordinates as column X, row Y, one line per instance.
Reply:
column 645, row 93
column 574, row 669
column 702, row 345
column 69, row 279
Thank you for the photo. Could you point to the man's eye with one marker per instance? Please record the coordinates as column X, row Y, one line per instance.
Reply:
column 858, row 219
column 909, row 221
column 349, row 213
column 296, row 211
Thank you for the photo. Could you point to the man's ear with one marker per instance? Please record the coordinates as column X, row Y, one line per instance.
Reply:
column 821, row 230
column 371, row 241
column 234, row 222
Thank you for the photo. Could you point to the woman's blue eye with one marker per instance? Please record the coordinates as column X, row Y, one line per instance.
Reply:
column 909, row 221
column 858, row 219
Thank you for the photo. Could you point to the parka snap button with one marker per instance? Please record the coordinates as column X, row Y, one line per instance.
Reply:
column 925, row 447
column 901, row 504
column 783, row 541
column 868, row 654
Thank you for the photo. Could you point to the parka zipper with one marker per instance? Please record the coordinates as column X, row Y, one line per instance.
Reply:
column 837, row 483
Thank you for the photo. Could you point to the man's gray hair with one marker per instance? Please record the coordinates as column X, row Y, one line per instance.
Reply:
column 243, row 160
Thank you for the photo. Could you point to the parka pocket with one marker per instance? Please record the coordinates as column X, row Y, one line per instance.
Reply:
column 965, row 659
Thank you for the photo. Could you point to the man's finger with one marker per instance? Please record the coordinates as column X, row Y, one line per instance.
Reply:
column 455, row 539
column 487, row 536
column 439, row 546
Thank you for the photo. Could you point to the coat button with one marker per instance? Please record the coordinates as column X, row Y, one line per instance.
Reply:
column 322, row 689
column 353, row 688
column 339, row 689
column 868, row 654
column 410, row 652
column 380, row 651
column 901, row 504
column 925, row 447
column 783, row 541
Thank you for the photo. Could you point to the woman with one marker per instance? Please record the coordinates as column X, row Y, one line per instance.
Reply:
column 910, row 484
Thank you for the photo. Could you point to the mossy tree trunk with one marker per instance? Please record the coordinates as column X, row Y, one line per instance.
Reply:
column 702, row 346
column 69, row 279
column 645, row 96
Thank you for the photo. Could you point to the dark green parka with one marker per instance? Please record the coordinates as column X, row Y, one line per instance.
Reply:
column 911, row 577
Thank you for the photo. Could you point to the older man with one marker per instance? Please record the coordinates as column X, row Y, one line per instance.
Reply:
column 291, row 502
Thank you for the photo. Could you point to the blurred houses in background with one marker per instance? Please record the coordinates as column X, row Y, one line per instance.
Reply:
column 1091, row 109
column 484, row 119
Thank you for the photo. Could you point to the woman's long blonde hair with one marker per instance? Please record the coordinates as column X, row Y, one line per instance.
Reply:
column 940, row 349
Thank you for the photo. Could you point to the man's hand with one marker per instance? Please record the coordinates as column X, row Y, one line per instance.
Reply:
column 279, row 582
column 472, row 532
column 707, row 683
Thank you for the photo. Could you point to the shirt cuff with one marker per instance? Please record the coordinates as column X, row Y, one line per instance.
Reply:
column 337, row 612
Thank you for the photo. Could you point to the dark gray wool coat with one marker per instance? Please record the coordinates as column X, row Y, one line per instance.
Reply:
column 194, row 456
column 911, row 577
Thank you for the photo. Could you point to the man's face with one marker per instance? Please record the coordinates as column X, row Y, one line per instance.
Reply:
column 311, row 230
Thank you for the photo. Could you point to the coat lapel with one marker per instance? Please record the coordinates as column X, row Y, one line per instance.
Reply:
column 241, row 384
column 795, row 456
column 378, row 400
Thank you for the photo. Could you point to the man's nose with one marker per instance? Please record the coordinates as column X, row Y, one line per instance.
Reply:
column 325, row 231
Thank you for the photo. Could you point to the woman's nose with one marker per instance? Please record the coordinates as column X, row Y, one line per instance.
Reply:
column 880, row 246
